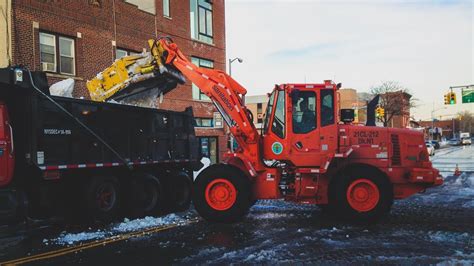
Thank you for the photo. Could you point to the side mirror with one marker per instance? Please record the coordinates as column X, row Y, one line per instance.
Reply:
column 347, row 115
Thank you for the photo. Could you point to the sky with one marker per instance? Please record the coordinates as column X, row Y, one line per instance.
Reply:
column 426, row 46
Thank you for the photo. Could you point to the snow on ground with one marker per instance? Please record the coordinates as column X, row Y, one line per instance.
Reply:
column 126, row 226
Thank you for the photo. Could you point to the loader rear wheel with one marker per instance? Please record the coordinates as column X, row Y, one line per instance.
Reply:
column 222, row 194
column 361, row 195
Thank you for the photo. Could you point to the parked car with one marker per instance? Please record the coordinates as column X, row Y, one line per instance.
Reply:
column 454, row 142
column 466, row 141
column 430, row 148
column 435, row 143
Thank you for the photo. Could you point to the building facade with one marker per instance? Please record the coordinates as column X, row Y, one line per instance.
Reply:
column 78, row 39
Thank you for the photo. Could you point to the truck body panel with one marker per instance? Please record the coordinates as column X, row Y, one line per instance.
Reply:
column 57, row 150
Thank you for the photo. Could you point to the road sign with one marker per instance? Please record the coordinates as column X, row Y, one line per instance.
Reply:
column 468, row 95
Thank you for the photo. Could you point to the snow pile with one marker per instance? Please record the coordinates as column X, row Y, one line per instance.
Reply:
column 147, row 222
column 262, row 256
column 63, row 88
column 69, row 239
column 125, row 226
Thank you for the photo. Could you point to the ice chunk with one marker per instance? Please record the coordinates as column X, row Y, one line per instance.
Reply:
column 63, row 88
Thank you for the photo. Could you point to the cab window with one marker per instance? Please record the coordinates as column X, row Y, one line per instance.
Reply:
column 268, row 112
column 278, row 125
column 304, row 112
column 327, row 107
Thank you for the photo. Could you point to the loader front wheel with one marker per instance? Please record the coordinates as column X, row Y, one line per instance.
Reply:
column 222, row 194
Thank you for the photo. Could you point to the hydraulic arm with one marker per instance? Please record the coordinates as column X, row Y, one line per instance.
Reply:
column 165, row 66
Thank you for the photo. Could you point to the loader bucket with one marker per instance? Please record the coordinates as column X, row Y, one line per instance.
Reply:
column 132, row 75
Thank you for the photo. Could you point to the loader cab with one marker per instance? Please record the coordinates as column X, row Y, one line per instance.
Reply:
column 300, row 124
column 7, row 158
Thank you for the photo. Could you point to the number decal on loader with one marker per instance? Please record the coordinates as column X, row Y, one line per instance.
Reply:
column 277, row 148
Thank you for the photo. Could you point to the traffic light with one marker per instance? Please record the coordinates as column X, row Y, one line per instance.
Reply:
column 452, row 98
column 379, row 112
column 446, row 98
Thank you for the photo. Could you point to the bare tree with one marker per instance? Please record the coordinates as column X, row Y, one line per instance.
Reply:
column 466, row 121
column 394, row 99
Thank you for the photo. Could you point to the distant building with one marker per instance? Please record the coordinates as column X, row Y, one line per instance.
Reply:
column 349, row 99
column 397, row 108
column 257, row 104
column 442, row 128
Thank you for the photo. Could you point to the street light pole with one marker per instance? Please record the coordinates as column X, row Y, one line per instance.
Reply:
column 243, row 97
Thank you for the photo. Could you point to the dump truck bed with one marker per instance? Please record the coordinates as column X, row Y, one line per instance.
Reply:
column 51, row 139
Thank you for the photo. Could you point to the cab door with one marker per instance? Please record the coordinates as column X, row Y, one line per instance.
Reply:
column 7, row 158
column 328, row 127
column 305, row 137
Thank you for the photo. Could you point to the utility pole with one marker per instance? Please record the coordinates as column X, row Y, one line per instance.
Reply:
column 240, row 60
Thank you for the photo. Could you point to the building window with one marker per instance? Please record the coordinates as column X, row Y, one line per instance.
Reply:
column 201, row 20
column 166, row 8
column 208, row 148
column 119, row 53
column 204, row 122
column 54, row 49
column 145, row 5
column 259, row 108
column 200, row 62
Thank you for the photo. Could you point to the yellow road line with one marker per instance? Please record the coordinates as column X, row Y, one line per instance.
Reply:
column 106, row 241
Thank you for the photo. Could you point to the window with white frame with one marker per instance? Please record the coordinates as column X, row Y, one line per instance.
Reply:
column 54, row 49
column 119, row 53
column 166, row 8
column 200, row 62
column 204, row 122
column 201, row 20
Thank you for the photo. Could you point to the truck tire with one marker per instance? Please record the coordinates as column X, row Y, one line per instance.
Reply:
column 182, row 191
column 146, row 196
column 222, row 193
column 102, row 198
column 362, row 195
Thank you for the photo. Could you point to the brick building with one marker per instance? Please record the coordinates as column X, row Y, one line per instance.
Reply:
column 257, row 104
column 77, row 39
column 443, row 128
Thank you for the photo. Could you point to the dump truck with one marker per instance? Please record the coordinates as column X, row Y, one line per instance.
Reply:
column 96, row 159
column 305, row 152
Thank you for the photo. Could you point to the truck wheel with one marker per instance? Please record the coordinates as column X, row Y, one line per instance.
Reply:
column 147, row 196
column 362, row 195
column 182, row 188
column 222, row 194
column 102, row 198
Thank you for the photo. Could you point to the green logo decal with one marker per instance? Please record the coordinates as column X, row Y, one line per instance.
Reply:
column 277, row 148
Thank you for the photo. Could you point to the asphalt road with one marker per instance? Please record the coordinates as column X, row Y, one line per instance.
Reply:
column 434, row 227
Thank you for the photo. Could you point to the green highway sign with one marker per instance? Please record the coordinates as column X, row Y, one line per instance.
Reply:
column 468, row 95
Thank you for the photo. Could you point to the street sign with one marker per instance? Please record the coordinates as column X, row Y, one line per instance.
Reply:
column 468, row 95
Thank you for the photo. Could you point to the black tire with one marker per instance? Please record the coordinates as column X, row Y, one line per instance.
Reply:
column 147, row 198
column 233, row 176
column 182, row 190
column 339, row 198
column 102, row 198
